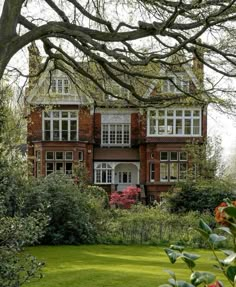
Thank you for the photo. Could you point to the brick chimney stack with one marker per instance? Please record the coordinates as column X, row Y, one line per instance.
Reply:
column 198, row 67
column 34, row 64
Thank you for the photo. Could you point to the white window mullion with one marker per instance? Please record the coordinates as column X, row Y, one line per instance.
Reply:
column 51, row 128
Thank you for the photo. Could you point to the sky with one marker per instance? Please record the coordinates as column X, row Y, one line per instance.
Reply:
column 225, row 127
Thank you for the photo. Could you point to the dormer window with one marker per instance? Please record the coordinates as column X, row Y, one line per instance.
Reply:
column 178, row 80
column 60, row 85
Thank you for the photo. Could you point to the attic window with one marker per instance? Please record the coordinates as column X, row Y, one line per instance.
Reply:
column 60, row 85
column 179, row 80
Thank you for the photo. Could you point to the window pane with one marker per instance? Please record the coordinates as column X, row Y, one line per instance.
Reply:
column 56, row 114
column 164, row 171
column 73, row 125
column 49, row 168
column 105, row 134
column 179, row 128
column 73, row 114
column 152, row 126
column 183, row 156
column 187, row 128
column 59, row 166
column 56, row 135
column 47, row 114
column 112, row 134
column 182, row 170
column 64, row 114
column 196, row 113
column 47, row 136
column 170, row 126
column 49, row 155
column 196, row 126
column 65, row 135
column 59, row 155
column 47, row 125
column 73, row 136
column 179, row 113
column 161, row 126
column 161, row 113
column 119, row 134
column 69, row 155
column 187, row 113
column 173, row 171
column 173, row 155
column 126, row 134
column 55, row 125
column 170, row 113
column 164, row 155
column 68, row 168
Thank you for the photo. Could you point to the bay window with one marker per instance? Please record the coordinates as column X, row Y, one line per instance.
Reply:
column 174, row 122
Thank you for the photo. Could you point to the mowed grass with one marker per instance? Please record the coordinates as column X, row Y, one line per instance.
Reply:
column 111, row 266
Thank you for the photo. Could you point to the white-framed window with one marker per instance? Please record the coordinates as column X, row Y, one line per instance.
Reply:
column 59, row 161
column 103, row 173
column 174, row 122
column 152, row 171
column 115, row 134
column 173, row 166
column 116, row 90
column 60, row 125
column 125, row 177
column 81, row 155
column 177, row 80
column 60, row 85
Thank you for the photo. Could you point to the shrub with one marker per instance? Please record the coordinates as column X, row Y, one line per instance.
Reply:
column 126, row 198
column 198, row 196
column 75, row 214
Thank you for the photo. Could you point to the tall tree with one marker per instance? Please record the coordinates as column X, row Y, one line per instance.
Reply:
column 122, row 37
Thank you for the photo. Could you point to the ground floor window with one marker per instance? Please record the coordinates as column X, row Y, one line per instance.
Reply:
column 103, row 173
column 173, row 166
column 59, row 161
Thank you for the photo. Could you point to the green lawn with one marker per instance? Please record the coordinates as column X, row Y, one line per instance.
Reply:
column 110, row 266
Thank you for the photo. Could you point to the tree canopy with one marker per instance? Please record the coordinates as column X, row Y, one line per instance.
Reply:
column 126, row 39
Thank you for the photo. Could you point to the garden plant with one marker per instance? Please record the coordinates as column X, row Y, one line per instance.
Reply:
column 225, row 216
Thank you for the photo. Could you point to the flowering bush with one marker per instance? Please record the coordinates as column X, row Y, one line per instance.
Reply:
column 225, row 215
column 126, row 198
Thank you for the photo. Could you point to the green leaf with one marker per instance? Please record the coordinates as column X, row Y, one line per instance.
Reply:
column 214, row 238
column 172, row 255
column 198, row 278
column 231, row 273
column 177, row 247
column 190, row 263
column 191, row 256
column 231, row 211
column 230, row 258
column 204, row 227
column 226, row 229
column 171, row 273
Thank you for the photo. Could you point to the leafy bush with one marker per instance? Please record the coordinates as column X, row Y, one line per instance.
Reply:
column 75, row 215
column 198, row 196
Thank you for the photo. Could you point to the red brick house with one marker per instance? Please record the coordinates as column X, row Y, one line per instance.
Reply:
column 119, row 146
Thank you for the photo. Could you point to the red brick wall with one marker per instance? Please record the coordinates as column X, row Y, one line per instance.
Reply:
column 97, row 128
column 34, row 125
column 135, row 129
column 85, row 125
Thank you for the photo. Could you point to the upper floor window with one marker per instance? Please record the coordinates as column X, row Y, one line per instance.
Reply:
column 173, row 166
column 174, row 122
column 116, row 90
column 115, row 130
column 177, row 83
column 60, row 125
column 60, row 85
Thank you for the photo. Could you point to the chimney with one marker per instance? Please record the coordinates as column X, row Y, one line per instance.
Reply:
column 198, row 67
column 34, row 64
